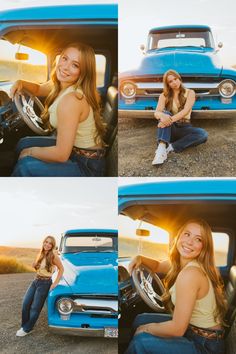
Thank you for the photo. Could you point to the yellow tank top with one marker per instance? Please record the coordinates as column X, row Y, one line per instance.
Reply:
column 203, row 312
column 175, row 109
column 86, row 130
column 42, row 271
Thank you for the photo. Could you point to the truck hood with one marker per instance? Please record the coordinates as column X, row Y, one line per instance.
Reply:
column 185, row 61
column 91, row 273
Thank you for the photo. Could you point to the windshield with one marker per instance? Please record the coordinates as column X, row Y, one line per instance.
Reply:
column 34, row 68
column 89, row 243
column 180, row 38
column 154, row 245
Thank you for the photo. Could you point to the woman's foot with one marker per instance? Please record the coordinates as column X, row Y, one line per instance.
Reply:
column 160, row 154
column 169, row 149
column 21, row 333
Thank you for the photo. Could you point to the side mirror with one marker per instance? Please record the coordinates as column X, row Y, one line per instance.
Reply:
column 220, row 45
column 142, row 48
column 22, row 56
column 142, row 232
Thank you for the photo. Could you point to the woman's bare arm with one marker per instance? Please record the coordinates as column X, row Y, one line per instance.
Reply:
column 153, row 264
column 36, row 89
column 165, row 119
column 59, row 265
column 186, row 296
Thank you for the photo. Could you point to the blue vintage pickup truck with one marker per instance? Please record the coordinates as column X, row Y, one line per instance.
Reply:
column 191, row 51
column 85, row 302
column 149, row 216
column 31, row 40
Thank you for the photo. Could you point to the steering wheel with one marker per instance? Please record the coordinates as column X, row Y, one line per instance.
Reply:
column 145, row 281
column 26, row 103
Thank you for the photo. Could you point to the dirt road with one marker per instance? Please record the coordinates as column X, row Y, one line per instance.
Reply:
column 215, row 158
column 40, row 340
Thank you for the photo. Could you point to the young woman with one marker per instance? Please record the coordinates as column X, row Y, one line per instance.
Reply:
column 175, row 133
column 37, row 292
column 196, row 290
column 72, row 107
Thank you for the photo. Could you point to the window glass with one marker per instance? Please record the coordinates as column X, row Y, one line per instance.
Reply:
column 89, row 241
column 221, row 247
column 155, row 245
column 34, row 68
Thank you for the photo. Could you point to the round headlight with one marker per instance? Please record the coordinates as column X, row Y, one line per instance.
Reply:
column 128, row 89
column 227, row 88
column 65, row 306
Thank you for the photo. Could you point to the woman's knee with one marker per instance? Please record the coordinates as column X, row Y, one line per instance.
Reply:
column 23, row 167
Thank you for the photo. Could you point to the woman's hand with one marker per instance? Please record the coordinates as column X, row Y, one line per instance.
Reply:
column 165, row 121
column 143, row 329
column 52, row 286
column 16, row 87
column 135, row 263
column 25, row 152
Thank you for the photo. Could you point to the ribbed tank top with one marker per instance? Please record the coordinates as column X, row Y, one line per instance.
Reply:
column 175, row 110
column 42, row 271
column 85, row 135
column 203, row 312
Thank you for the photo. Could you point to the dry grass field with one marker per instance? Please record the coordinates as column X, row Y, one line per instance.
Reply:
column 16, row 260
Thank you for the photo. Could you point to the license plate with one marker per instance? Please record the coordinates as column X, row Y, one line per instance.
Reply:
column 111, row 332
column 226, row 100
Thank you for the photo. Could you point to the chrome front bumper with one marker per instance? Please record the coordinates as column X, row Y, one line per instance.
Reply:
column 78, row 331
column 199, row 114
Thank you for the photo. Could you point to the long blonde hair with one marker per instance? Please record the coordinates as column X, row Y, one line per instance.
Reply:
column 49, row 255
column 169, row 94
column 206, row 259
column 87, row 82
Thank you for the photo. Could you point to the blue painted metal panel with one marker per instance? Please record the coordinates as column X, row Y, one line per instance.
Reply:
column 188, row 190
column 63, row 12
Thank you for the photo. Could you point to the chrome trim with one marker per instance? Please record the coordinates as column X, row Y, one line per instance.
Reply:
column 135, row 89
column 199, row 114
column 95, row 306
column 222, row 83
column 192, row 85
column 78, row 331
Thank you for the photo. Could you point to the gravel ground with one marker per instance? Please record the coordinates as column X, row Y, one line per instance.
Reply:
column 215, row 158
column 40, row 340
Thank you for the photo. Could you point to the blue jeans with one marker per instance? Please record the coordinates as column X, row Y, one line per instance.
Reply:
column 190, row 343
column 181, row 135
column 76, row 166
column 33, row 302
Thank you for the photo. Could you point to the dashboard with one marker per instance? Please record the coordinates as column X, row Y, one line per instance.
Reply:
column 127, row 292
column 10, row 119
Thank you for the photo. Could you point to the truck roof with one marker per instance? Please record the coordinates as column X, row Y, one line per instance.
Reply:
column 179, row 27
column 63, row 12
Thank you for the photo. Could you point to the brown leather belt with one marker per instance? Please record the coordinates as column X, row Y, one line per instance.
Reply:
column 90, row 153
column 207, row 333
column 42, row 278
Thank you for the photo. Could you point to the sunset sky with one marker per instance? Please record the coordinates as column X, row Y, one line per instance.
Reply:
column 32, row 208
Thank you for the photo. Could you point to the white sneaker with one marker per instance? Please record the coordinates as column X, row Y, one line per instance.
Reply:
column 21, row 333
column 169, row 149
column 160, row 157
